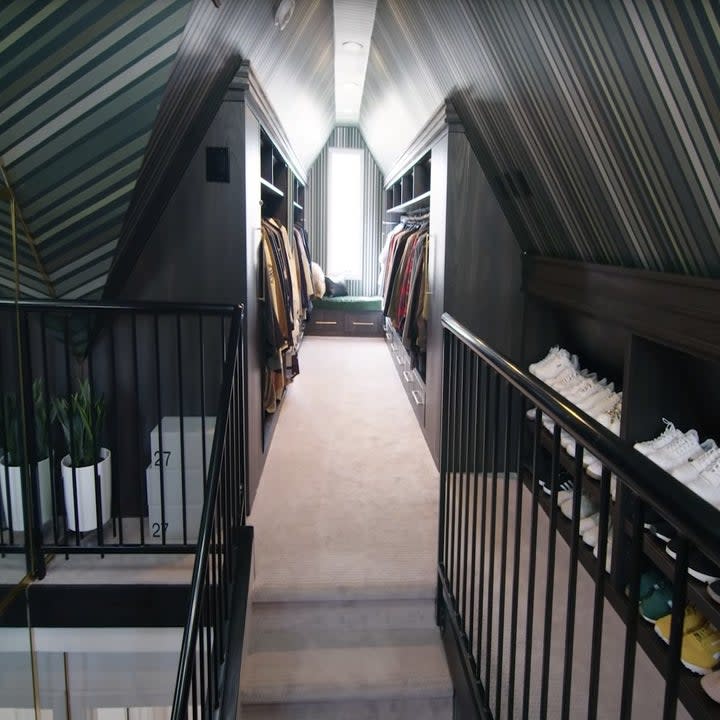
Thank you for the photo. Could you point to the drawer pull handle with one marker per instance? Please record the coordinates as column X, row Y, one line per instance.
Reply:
column 326, row 322
column 366, row 324
column 408, row 376
column 418, row 397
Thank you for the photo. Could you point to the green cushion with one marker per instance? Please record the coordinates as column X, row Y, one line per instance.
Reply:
column 348, row 303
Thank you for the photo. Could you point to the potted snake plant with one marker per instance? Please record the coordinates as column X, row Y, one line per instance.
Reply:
column 81, row 418
column 11, row 476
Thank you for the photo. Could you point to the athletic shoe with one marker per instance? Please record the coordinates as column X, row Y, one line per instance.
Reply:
column 567, row 379
column 677, row 452
column 591, row 537
column 561, row 360
column 552, row 352
column 650, row 581
column 587, row 507
column 701, row 649
column 608, row 557
column 699, row 567
column 657, row 604
column 687, row 472
column 589, row 522
column 564, row 495
column 564, row 480
column 707, row 484
column 661, row 529
column 601, row 403
column 668, row 435
column 585, row 389
column 714, row 591
column 711, row 685
column 691, row 622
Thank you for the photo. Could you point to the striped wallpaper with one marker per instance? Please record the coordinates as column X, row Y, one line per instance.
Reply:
column 597, row 122
column 80, row 85
column 316, row 208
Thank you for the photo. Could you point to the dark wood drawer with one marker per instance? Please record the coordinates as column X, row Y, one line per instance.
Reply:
column 363, row 323
column 326, row 322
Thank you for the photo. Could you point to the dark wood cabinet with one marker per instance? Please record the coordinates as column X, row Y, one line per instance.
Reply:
column 475, row 264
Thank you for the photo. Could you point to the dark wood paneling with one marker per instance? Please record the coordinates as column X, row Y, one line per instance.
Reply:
column 673, row 309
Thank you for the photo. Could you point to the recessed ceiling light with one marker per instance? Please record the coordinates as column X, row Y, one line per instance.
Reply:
column 283, row 13
column 352, row 45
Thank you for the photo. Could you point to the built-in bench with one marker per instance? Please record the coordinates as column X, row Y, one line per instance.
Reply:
column 348, row 315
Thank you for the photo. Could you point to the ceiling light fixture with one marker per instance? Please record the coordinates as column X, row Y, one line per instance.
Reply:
column 352, row 45
column 283, row 13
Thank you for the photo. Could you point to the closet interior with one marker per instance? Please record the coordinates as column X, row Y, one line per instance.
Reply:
column 662, row 354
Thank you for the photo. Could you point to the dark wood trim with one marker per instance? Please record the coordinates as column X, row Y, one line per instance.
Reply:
column 246, row 82
column 676, row 310
column 443, row 120
column 238, row 629
column 108, row 605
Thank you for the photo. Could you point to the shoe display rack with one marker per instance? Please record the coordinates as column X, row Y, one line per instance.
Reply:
column 656, row 336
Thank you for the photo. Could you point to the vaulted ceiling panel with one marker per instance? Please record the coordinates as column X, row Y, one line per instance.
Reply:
column 80, row 85
column 596, row 122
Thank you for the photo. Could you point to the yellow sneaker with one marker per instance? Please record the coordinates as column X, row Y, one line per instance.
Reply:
column 701, row 649
column 692, row 621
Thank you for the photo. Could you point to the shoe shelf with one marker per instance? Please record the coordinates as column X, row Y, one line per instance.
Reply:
column 697, row 594
column 564, row 526
column 590, row 485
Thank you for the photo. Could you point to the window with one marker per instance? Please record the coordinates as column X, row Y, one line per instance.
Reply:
column 345, row 213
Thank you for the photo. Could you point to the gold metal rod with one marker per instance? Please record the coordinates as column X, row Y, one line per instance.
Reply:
column 10, row 193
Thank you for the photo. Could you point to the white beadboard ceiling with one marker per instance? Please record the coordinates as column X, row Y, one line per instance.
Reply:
column 353, row 25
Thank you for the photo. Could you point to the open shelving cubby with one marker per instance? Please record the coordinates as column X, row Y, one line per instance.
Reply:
column 412, row 189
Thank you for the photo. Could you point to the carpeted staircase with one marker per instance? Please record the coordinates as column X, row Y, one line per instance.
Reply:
column 342, row 619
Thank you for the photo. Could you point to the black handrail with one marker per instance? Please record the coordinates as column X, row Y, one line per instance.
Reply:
column 209, row 520
column 142, row 307
column 683, row 508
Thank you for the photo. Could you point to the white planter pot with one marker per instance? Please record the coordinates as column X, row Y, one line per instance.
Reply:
column 11, row 475
column 87, row 519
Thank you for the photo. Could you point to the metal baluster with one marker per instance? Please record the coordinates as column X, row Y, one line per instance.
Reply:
column 599, row 600
column 552, row 541
column 503, row 545
column 444, row 455
column 672, row 675
column 493, row 529
column 181, row 414
column 636, row 552
column 54, row 503
column 138, row 419
column 72, row 449
column 96, row 450
column 158, row 400
column 516, row 562
column 468, row 390
column 483, row 513
column 459, row 475
column 572, row 582
column 532, row 564
column 475, row 390
column 113, row 416
column 452, row 470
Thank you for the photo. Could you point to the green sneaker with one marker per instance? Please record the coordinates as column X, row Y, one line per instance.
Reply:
column 657, row 604
column 651, row 581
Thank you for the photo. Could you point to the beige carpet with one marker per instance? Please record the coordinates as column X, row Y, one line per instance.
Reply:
column 347, row 504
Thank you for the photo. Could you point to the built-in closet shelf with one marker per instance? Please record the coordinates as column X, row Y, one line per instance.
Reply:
column 697, row 595
column 415, row 202
column 269, row 187
column 690, row 693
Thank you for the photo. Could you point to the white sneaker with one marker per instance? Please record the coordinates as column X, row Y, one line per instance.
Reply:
column 586, row 389
column 589, row 522
column 601, row 401
column 609, row 404
column 587, row 507
column 552, row 352
column 564, row 495
column 560, row 360
column 668, row 435
column 567, row 379
column 591, row 536
column 707, row 484
column 678, row 452
column 688, row 471
column 608, row 557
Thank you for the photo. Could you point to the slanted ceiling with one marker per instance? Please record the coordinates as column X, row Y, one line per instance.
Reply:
column 597, row 122
column 80, row 84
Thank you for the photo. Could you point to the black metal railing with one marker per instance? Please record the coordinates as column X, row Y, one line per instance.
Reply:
column 107, row 419
column 530, row 624
column 204, row 666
